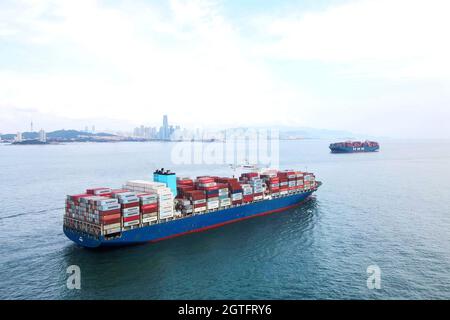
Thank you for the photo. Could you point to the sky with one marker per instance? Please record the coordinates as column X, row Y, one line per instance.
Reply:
column 378, row 67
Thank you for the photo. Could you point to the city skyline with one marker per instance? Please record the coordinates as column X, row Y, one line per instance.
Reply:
column 164, row 133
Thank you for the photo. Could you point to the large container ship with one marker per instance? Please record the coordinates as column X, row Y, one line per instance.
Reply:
column 354, row 146
column 149, row 211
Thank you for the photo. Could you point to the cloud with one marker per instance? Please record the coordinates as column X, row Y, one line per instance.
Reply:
column 146, row 62
column 383, row 38
column 134, row 62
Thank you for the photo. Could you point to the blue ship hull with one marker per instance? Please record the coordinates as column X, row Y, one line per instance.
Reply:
column 190, row 224
column 353, row 149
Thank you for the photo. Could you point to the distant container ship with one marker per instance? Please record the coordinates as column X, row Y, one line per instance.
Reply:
column 354, row 146
column 149, row 211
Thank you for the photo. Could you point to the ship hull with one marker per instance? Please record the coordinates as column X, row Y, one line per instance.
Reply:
column 190, row 224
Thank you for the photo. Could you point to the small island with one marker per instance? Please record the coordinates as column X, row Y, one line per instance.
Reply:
column 30, row 142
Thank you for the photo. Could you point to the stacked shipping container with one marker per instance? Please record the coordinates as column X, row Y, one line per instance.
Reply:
column 103, row 211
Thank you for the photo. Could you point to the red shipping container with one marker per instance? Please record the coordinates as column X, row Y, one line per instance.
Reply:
column 130, row 205
column 133, row 218
column 110, row 212
column 77, row 197
column 118, row 191
column 250, row 175
column 142, row 194
column 236, row 202
column 248, row 198
column 204, row 180
column 210, row 188
column 185, row 182
column 93, row 190
column 184, row 188
column 195, row 195
column 113, row 221
column 149, row 206
column 112, row 217
column 148, row 211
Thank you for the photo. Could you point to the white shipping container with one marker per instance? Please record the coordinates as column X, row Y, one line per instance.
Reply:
column 130, row 211
column 225, row 202
column 200, row 209
column 108, row 202
column 129, row 201
column 147, row 197
column 212, row 203
column 109, row 207
column 149, row 219
column 129, row 215
column 145, row 202
column 166, row 210
column 149, row 215
column 258, row 198
column 131, row 223
column 207, row 185
column 165, row 215
column 111, row 226
column 145, row 183
column 166, row 197
column 236, row 196
column 166, row 204
column 160, row 190
column 126, row 194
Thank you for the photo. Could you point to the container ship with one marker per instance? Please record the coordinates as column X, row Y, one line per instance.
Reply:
column 149, row 211
column 354, row 146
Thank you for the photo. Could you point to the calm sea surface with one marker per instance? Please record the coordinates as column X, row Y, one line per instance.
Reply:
column 390, row 209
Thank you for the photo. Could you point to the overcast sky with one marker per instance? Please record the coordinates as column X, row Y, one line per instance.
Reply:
column 379, row 67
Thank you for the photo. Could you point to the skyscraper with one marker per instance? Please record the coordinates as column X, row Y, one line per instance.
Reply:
column 166, row 134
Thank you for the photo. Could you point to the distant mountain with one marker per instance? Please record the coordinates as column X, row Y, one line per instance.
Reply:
column 307, row 133
column 313, row 133
column 67, row 134
column 25, row 135
column 59, row 134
